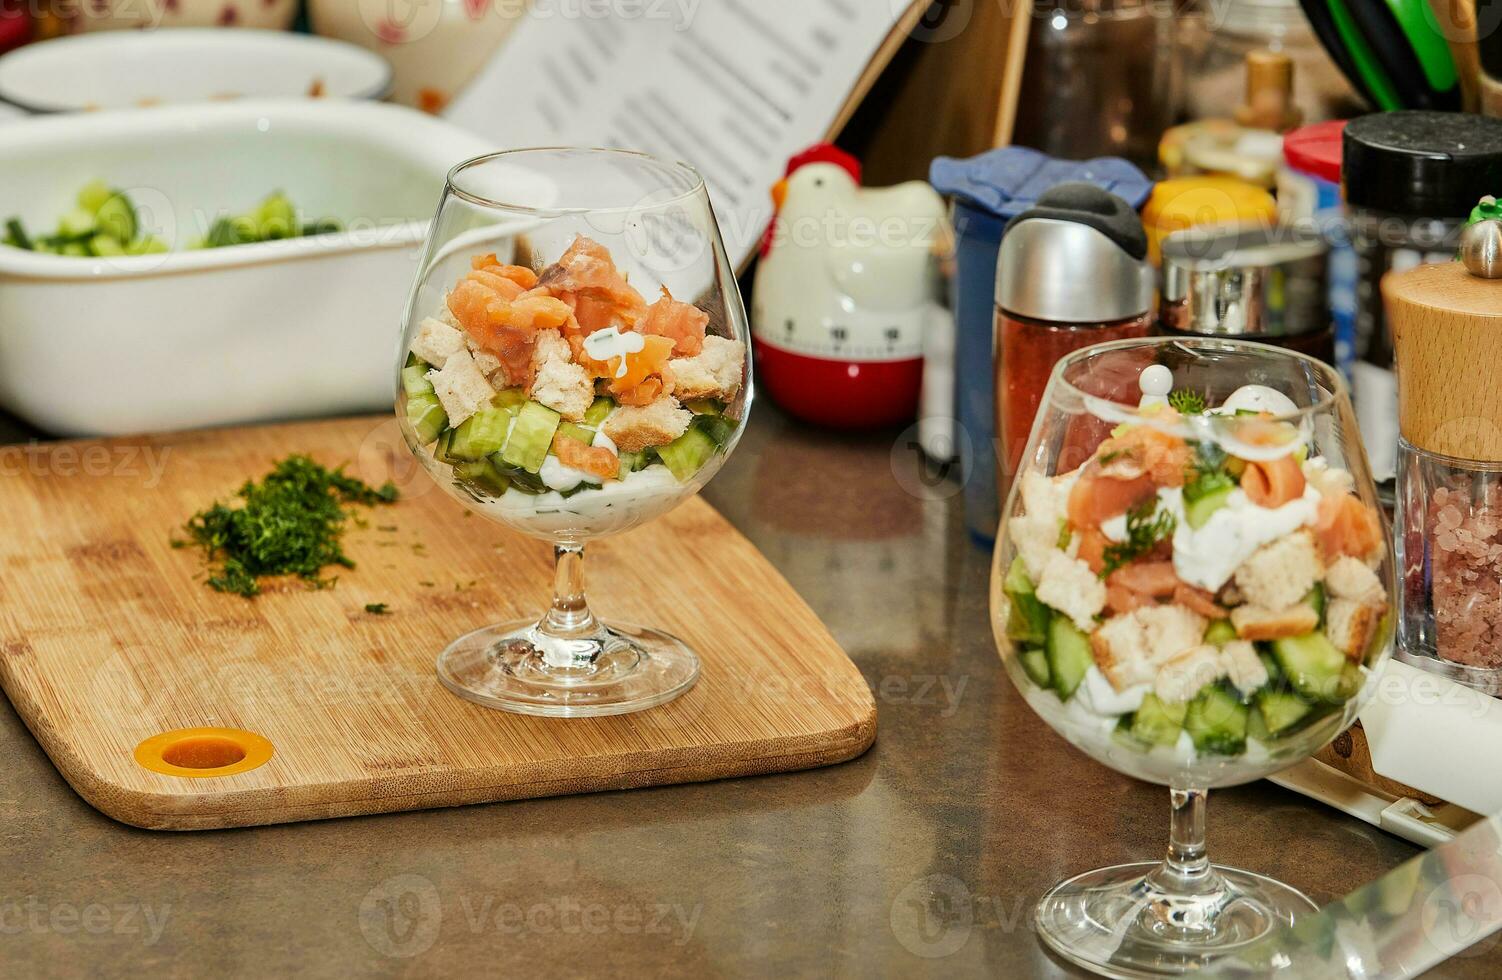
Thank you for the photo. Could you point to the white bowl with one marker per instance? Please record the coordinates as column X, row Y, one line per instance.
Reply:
column 124, row 69
column 283, row 329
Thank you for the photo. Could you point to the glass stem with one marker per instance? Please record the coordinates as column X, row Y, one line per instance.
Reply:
column 569, row 616
column 1187, row 870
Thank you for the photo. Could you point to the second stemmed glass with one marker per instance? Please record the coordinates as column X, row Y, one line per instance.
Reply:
column 573, row 363
column 1193, row 586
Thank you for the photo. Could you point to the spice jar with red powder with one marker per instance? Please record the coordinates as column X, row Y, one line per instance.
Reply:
column 1071, row 272
column 1447, row 331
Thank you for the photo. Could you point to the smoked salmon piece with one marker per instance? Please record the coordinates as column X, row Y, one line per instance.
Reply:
column 1092, row 548
column 1144, row 450
column 1198, row 600
column 682, row 323
column 587, row 270
column 1096, row 497
column 1152, row 578
column 1273, row 483
column 595, row 460
column 1346, row 526
column 1120, row 599
column 647, row 375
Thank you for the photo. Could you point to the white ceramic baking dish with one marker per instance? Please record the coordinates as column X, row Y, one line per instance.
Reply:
column 274, row 330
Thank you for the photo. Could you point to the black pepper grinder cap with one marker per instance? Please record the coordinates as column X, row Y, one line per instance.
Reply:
column 1421, row 164
column 1077, row 256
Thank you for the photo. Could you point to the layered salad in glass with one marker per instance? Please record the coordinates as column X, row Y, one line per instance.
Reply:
column 566, row 402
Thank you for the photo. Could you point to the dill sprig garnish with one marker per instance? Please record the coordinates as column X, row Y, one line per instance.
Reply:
column 1144, row 531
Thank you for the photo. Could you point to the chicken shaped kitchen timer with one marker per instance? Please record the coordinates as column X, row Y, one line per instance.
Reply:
column 847, row 288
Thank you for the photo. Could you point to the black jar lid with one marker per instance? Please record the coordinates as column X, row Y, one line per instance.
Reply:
column 1424, row 164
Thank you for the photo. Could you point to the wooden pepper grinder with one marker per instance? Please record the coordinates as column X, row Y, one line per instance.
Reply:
column 1447, row 334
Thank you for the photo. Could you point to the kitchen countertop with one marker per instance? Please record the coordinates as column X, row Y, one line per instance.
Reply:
column 924, row 856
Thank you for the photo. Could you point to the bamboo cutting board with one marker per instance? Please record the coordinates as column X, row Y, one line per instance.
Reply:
column 108, row 636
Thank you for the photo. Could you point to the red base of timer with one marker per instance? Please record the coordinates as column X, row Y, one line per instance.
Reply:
column 839, row 394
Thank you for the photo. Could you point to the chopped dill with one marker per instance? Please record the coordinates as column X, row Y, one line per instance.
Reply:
column 377, row 608
column 1187, row 402
column 1144, row 531
column 288, row 524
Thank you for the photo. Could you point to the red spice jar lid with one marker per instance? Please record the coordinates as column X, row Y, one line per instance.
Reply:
column 1316, row 149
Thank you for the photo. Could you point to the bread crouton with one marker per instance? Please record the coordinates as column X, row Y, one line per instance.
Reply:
column 1349, row 625
column 714, row 372
column 636, row 427
column 1180, row 678
column 1281, row 573
column 557, row 381
column 1068, row 585
column 1035, row 531
column 447, row 315
column 1350, row 578
column 460, row 387
column 1259, row 623
column 436, row 341
column 1129, row 648
column 489, row 365
column 1243, row 666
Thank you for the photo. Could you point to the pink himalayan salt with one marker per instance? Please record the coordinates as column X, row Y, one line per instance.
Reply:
column 1466, row 576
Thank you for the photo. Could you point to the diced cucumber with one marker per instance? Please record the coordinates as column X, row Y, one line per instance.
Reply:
column 1069, row 656
column 704, row 406
column 15, row 234
column 510, row 398
column 426, row 416
column 75, row 248
column 1197, row 513
column 576, row 431
column 531, row 437
column 117, row 218
column 1256, row 727
column 93, row 195
column 1035, row 666
column 1270, row 664
column 1314, row 666
column 1220, row 632
column 1158, row 722
column 685, row 455
column 1281, row 710
column 415, row 379
column 276, row 218
column 150, row 245
column 441, row 448
column 481, row 434
column 1028, row 620
column 482, row 475
column 1316, row 600
column 631, row 462
column 599, row 411
column 1217, row 721
column 103, row 244
column 521, row 480
column 78, row 223
column 717, row 427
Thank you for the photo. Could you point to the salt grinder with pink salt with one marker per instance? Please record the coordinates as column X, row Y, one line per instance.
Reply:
column 1447, row 334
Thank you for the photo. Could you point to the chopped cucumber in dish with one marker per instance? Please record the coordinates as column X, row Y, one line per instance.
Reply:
column 1220, row 632
column 574, row 430
column 1197, row 512
column 1035, row 665
column 481, row 434
column 1281, row 710
column 1316, row 668
column 598, row 412
column 1217, row 721
column 685, row 455
column 1028, row 620
column 1158, row 722
column 1069, row 656
column 531, row 437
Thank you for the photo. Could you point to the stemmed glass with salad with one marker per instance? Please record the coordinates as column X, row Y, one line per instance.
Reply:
column 1193, row 585
column 573, row 364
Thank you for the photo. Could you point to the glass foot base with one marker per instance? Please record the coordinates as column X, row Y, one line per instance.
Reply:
column 1119, row 922
column 611, row 670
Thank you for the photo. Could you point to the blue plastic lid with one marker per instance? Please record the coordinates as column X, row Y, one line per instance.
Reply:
column 1007, row 181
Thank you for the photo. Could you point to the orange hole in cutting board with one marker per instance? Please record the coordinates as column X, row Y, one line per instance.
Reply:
column 200, row 752
column 203, row 753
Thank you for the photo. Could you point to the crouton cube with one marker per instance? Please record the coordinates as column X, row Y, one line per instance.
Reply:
column 557, row 381
column 436, row 341
column 1180, row 678
column 636, row 427
column 715, row 372
column 1243, row 666
column 1349, row 578
column 1068, row 585
column 1258, row 623
column 461, row 387
column 1329, row 482
column 1129, row 648
column 1349, row 625
column 1036, row 538
column 1281, row 573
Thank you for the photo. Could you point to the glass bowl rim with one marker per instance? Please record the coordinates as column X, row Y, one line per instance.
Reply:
column 1337, row 388
column 696, row 181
